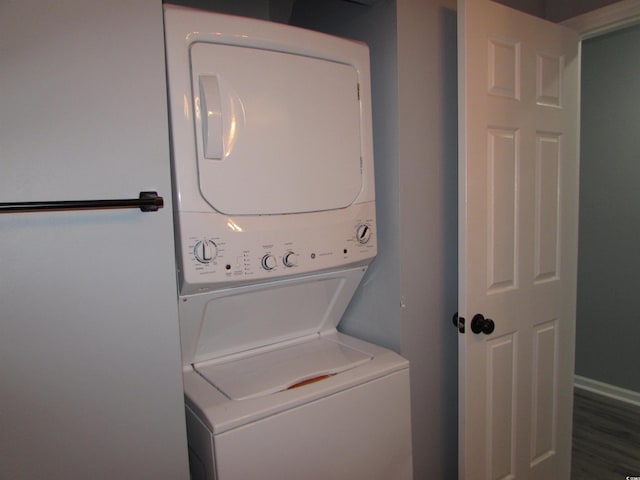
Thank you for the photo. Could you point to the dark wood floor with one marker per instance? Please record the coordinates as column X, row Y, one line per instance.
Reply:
column 606, row 438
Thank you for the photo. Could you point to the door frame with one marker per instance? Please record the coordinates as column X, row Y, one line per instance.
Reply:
column 604, row 20
column 592, row 24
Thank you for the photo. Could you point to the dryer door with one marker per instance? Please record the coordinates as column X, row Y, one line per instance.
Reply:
column 276, row 132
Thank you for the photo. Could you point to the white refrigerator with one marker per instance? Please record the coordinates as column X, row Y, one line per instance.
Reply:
column 90, row 370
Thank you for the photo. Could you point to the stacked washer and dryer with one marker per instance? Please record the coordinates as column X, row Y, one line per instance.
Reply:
column 275, row 226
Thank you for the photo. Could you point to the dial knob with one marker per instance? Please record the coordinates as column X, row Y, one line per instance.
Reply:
column 269, row 262
column 363, row 233
column 290, row 259
column 205, row 251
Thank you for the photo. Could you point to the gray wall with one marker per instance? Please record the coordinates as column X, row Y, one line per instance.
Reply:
column 608, row 314
column 90, row 368
column 427, row 106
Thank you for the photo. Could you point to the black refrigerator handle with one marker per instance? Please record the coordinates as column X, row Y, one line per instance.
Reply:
column 146, row 202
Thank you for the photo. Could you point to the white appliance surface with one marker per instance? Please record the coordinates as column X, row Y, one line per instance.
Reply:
column 242, row 318
column 248, row 104
column 272, row 150
column 221, row 413
column 217, row 251
column 354, row 424
column 275, row 226
column 281, row 369
column 358, row 433
column 277, row 114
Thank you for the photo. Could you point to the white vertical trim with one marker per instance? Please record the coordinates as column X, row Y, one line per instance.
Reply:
column 606, row 19
column 616, row 16
column 607, row 390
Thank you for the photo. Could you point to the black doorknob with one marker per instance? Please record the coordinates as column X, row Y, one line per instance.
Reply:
column 479, row 324
column 458, row 322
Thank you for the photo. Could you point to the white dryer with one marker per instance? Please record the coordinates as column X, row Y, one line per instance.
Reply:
column 275, row 226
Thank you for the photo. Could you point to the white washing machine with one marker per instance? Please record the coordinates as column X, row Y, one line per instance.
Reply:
column 275, row 226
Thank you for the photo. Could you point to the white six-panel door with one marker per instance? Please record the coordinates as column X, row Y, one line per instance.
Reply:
column 518, row 134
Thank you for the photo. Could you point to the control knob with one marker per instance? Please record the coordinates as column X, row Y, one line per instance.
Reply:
column 289, row 259
column 205, row 251
column 269, row 262
column 363, row 233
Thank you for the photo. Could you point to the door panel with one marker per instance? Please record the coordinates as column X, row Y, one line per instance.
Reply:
column 548, row 150
column 500, row 435
column 518, row 98
column 543, row 408
column 503, row 208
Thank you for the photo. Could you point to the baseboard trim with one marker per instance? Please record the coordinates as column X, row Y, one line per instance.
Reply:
column 607, row 390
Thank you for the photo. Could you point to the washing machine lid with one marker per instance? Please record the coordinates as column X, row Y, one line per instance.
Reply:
column 227, row 322
column 282, row 368
column 283, row 129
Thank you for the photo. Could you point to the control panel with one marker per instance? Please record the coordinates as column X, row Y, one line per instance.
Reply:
column 217, row 251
